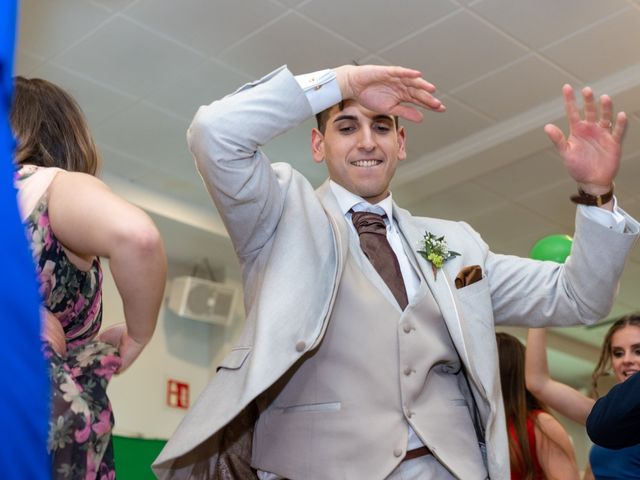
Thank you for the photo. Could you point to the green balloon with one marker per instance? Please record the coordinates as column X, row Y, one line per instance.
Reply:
column 553, row 247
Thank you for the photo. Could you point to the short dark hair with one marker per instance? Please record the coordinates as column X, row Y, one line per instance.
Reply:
column 323, row 116
column 50, row 128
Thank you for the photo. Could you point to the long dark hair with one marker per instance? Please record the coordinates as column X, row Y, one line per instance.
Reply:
column 518, row 401
column 50, row 128
column 604, row 362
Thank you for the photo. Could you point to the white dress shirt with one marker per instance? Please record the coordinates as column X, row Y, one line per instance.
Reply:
column 347, row 201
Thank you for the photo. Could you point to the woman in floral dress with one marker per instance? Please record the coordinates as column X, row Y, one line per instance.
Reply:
column 72, row 219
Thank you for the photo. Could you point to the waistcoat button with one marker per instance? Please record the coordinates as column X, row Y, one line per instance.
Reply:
column 406, row 328
column 407, row 371
column 300, row 346
column 397, row 452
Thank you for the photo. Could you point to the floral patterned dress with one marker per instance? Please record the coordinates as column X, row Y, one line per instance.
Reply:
column 81, row 416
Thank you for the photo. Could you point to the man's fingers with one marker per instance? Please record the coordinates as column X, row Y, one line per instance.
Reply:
column 606, row 111
column 389, row 89
column 590, row 113
column 407, row 112
column 401, row 72
column 570, row 107
column 556, row 136
column 426, row 100
column 420, row 84
column 620, row 127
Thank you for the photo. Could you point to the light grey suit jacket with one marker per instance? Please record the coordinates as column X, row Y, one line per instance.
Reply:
column 292, row 245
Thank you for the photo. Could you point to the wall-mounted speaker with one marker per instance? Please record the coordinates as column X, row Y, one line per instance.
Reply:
column 201, row 299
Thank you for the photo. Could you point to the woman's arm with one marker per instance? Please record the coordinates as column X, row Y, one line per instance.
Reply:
column 90, row 220
column 562, row 398
column 554, row 449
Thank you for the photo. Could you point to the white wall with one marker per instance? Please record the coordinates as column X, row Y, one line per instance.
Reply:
column 181, row 349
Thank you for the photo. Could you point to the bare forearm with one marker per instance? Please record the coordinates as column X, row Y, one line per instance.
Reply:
column 563, row 398
column 139, row 268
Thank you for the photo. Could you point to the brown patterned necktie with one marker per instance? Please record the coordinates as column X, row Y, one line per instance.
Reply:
column 374, row 243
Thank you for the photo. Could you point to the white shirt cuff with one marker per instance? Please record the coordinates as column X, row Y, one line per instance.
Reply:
column 613, row 220
column 321, row 88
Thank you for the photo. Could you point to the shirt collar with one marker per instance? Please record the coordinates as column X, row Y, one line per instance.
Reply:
column 347, row 200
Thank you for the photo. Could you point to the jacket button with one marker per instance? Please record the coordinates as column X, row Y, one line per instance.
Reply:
column 407, row 371
column 406, row 328
column 397, row 452
column 300, row 346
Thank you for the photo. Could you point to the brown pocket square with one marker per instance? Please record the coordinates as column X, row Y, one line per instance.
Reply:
column 468, row 275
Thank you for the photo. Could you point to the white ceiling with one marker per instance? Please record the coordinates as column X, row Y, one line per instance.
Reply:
column 140, row 69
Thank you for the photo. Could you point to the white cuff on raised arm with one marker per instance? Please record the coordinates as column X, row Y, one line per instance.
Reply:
column 613, row 220
column 321, row 88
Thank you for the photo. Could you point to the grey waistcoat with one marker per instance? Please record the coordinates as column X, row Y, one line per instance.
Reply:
column 343, row 411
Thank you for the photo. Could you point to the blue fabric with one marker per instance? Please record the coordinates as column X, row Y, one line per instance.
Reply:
column 24, row 402
column 615, row 464
column 614, row 421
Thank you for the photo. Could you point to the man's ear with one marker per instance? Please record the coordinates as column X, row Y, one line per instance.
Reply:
column 402, row 153
column 317, row 145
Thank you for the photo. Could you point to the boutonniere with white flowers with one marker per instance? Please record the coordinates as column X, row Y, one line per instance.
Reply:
column 435, row 251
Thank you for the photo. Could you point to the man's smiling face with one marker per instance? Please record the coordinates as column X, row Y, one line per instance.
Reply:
column 361, row 148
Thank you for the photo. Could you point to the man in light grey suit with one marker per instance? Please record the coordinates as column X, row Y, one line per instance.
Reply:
column 335, row 376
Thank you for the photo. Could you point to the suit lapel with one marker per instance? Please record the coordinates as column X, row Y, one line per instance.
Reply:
column 332, row 209
column 340, row 238
column 441, row 285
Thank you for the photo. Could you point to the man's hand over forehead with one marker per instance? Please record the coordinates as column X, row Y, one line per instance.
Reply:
column 389, row 90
